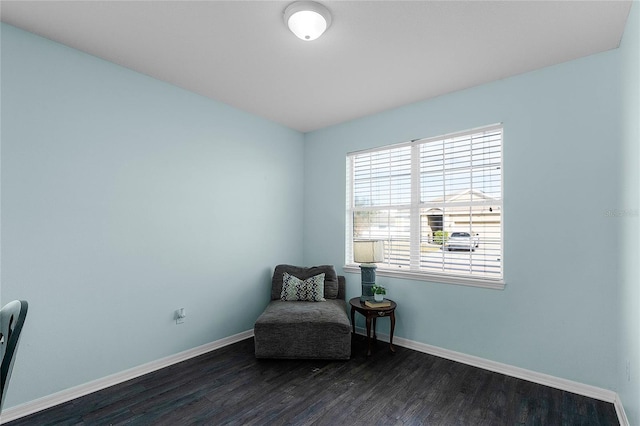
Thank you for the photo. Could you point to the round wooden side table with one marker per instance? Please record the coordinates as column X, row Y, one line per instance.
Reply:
column 371, row 315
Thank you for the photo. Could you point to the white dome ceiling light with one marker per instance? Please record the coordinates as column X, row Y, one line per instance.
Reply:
column 307, row 19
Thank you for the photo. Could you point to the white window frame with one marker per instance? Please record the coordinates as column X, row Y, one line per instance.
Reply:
column 413, row 271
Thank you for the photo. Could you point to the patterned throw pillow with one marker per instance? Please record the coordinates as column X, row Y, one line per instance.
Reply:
column 310, row 290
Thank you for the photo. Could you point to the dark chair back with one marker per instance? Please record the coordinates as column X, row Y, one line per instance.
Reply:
column 12, row 317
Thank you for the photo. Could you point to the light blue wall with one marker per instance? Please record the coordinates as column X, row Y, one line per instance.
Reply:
column 123, row 199
column 629, row 390
column 562, row 153
column 120, row 195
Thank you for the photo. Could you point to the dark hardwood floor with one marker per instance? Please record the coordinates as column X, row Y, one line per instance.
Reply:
column 229, row 386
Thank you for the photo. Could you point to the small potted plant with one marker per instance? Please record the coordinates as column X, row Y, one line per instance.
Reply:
column 378, row 293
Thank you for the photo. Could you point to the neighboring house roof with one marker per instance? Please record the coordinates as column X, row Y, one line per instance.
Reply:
column 465, row 196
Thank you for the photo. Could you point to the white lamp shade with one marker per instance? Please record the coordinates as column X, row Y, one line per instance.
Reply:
column 368, row 251
column 307, row 19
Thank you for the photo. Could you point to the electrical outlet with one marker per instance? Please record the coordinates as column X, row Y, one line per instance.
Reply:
column 180, row 315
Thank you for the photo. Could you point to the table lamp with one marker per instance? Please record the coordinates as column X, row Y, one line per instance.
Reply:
column 367, row 254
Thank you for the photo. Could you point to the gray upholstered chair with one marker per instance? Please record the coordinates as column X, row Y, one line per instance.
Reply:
column 12, row 317
column 304, row 329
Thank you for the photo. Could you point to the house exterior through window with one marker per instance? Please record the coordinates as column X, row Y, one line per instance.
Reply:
column 436, row 204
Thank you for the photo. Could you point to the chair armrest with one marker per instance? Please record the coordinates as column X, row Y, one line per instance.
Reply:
column 342, row 287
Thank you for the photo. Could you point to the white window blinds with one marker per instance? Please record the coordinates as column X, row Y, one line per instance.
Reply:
column 436, row 203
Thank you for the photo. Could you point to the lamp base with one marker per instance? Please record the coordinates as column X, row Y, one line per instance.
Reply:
column 368, row 276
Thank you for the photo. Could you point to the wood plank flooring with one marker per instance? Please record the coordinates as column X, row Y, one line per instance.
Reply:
column 230, row 387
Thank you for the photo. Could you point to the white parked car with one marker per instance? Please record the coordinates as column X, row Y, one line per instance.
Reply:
column 463, row 241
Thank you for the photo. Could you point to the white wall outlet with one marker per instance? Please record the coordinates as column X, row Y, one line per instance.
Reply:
column 180, row 315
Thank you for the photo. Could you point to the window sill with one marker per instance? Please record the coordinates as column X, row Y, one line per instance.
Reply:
column 433, row 277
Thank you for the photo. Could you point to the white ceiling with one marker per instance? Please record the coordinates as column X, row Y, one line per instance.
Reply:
column 376, row 55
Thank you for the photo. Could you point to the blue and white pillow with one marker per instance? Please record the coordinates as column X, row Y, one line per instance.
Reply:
column 310, row 290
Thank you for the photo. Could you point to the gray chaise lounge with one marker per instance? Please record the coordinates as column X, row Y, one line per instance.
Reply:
column 313, row 330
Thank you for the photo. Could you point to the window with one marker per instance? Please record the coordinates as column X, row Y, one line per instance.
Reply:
column 437, row 205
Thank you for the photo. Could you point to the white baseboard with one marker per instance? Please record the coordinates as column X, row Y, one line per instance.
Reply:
column 66, row 395
column 49, row 401
column 622, row 416
column 517, row 372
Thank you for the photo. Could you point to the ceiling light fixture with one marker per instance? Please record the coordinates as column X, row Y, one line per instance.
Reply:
column 307, row 19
